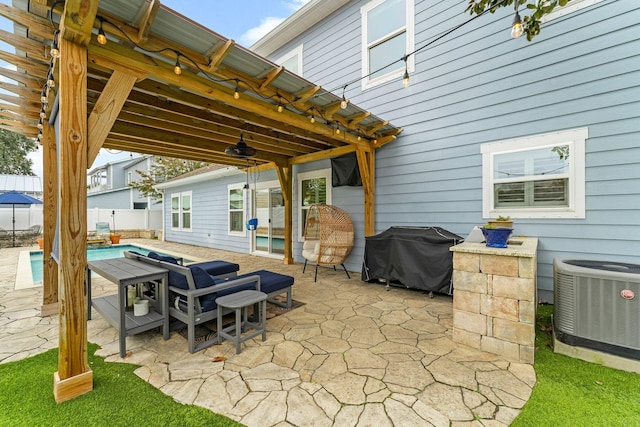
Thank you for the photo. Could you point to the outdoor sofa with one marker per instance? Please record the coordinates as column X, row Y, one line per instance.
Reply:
column 194, row 288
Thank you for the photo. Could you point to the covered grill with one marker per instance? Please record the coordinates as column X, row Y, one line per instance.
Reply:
column 416, row 257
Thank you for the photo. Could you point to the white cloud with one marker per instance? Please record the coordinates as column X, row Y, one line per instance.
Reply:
column 294, row 5
column 254, row 34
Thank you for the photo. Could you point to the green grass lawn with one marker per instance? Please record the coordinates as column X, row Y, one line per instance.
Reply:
column 119, row 398
column 571, row 392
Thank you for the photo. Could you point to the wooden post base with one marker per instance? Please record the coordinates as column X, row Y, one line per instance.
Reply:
column 64, row 390
column 48, row 309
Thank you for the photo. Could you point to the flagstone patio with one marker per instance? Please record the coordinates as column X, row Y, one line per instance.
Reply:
column 356, row 354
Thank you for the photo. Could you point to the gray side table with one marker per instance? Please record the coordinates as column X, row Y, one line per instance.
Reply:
column 239, row 302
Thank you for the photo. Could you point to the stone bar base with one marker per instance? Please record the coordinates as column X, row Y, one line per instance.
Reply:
column 494, row 298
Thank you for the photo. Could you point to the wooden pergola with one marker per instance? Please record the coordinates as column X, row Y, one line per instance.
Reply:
column 162, row 85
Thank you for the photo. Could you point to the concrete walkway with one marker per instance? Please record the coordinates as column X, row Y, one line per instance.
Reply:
column 354, row 355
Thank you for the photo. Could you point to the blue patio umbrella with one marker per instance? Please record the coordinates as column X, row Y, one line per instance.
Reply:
column 14, row 198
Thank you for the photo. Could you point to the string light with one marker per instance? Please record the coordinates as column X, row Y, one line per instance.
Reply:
column 40, row 125
column 55, row 51
column 344, row 102
column 236, row 94
column 51, row 83
column 177, row 69
column 102, row 37
column 405, row 78
column 43, row 114
column 516, row 26
column 280, row 108
column 312, row 119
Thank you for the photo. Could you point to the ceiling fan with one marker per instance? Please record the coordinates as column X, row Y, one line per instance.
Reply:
column 240, row 150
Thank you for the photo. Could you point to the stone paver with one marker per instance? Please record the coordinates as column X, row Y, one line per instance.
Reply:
column 355, row 354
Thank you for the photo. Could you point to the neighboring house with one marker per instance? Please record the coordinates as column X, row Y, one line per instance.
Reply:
column 31, row 185
column 546, row 131
column 108, row 185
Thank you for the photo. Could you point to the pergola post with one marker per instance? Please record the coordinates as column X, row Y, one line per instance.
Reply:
column 286, row 184
column 49, row 267
column 74, row 376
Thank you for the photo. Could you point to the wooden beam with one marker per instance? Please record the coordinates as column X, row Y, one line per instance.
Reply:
column 371, row 130
column 23, row 78
column 27, row 94
column 270, row 78
column 219, row 55
column 76, row 22
column 33, row 48
column 26, row 132
column 330, row 110
column 50, row 177
column 286, row 185
column 31, row 66
column 106, row 111
column 20, row 110
column 161, row 71
column 384, row 140
column 150, row 13
column 22, row 103
column 305, row 95
column 320, row 155
column 367, row 167
column 37, row 26
column 354, row 120
column 74, row 376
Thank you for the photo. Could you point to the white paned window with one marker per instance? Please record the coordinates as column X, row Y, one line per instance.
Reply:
column 292, row 61
column 313, row 187
column 539, row 176
column 181, row 211
column 236, row 210
column 387, row 35
column 570, row 7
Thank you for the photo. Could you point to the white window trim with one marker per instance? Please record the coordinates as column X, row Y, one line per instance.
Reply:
column 230, row 187
column 576, row 209
column 295, row 51
column 302, row 176
column 571, row 7
column 368, row 83
column 179, row 196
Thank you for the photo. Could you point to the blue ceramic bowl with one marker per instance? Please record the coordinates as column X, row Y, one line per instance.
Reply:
column 496, row 237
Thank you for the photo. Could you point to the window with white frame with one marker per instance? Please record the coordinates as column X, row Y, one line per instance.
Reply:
column 313, row 187
column 292, row 61
column 236, row 210
column 541, row 176
column 572, row 6
column 387, row 35
column 181, row 211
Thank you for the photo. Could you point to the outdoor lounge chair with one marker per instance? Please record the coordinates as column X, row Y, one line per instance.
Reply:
column 328, row 237
column 193, row 292
column 101, row 235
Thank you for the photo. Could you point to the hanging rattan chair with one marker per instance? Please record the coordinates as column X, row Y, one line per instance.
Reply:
column 328, row 237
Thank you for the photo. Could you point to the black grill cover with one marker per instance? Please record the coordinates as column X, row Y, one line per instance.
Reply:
column 417, row 257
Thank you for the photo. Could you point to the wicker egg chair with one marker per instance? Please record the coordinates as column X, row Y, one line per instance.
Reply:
column 328, row 237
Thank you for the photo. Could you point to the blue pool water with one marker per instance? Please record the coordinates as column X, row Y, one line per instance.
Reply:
column 93, row 254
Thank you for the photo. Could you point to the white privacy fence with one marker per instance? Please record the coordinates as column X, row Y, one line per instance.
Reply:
column 125, row 219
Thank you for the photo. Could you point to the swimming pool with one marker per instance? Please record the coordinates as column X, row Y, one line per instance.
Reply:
column 93, row 254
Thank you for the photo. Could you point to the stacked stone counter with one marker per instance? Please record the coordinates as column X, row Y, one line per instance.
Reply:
column 494, row 298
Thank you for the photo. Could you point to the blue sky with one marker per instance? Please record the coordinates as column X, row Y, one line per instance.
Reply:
column 244, row 21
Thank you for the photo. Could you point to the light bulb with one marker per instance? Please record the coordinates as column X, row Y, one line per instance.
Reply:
column 405, row 79
column 344, row 103
column 359, row 137
column 236, row 94
column 177, row 69
column 337, row 130
column 54, row 52
column 313, row 119
column 40, row 126
column 43, row 115
column 50, row 82
column 516, row 28
column 43, row 98
column 102, row 38
column 280, row 108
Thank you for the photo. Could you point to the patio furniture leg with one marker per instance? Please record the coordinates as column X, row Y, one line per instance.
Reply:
column 315, row 278
column 345, row 270
column 238, row 329
column 263, row 321
column 305, row 266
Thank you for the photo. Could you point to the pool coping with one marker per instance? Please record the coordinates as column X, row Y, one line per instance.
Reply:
column 24, row 275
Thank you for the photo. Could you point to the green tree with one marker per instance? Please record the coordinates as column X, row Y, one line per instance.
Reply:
column 14, row 149
column 530, row 22
column 164, row 169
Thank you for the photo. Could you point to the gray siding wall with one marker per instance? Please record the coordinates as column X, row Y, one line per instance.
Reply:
column 478, row 85
column 209, row 218
column 116, row 199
